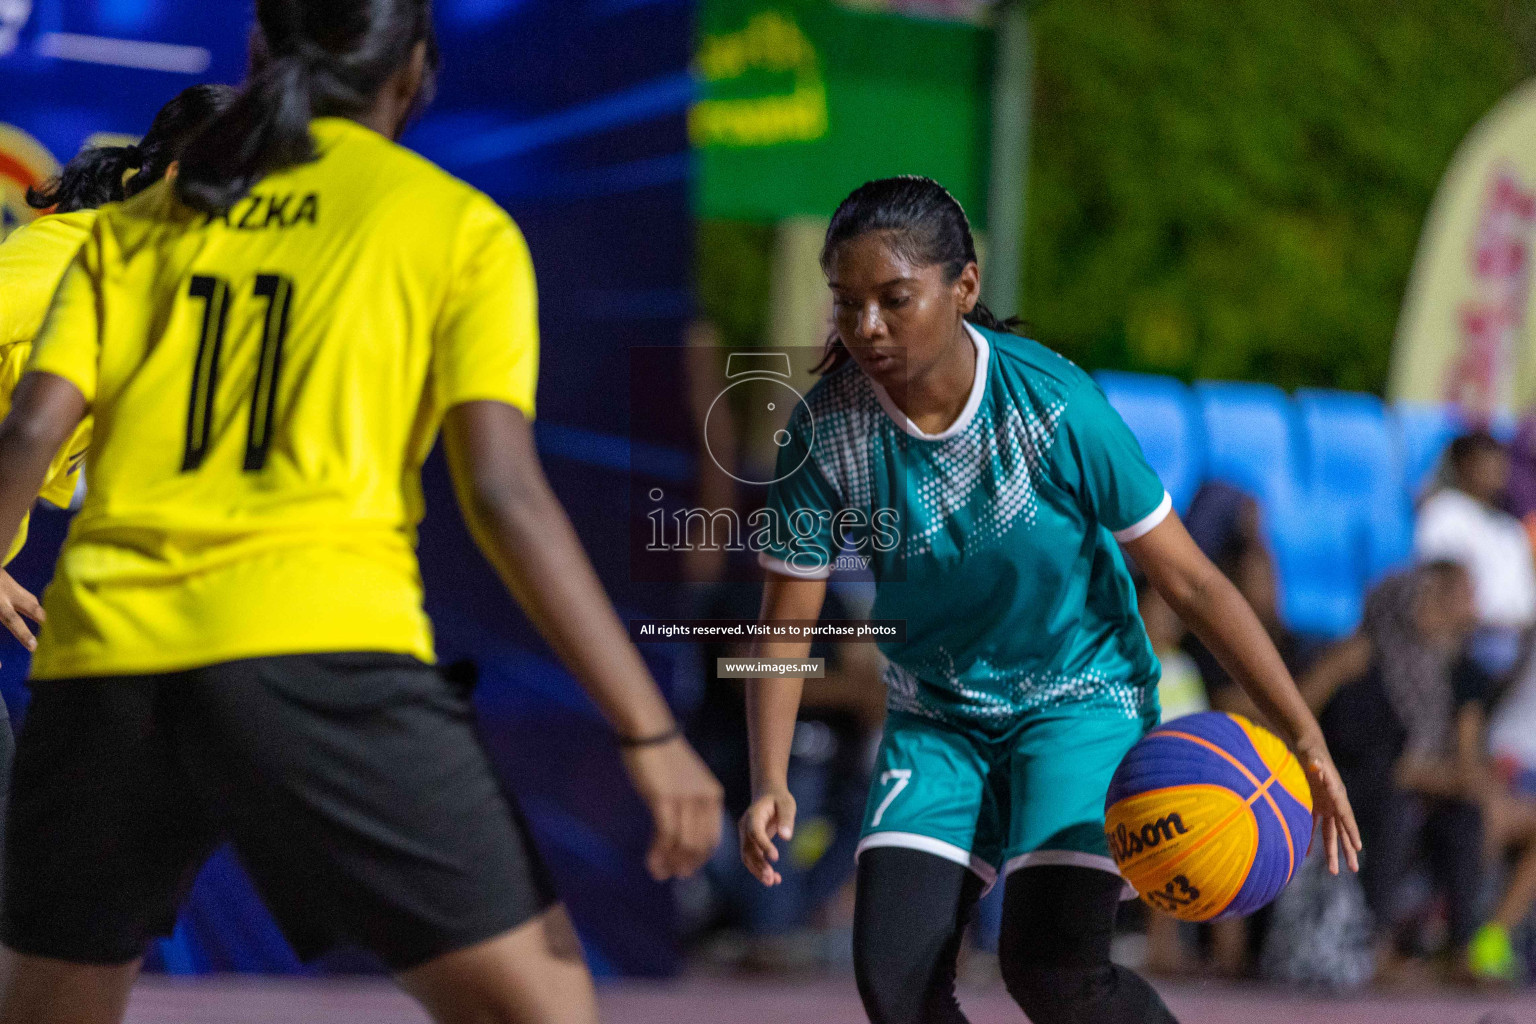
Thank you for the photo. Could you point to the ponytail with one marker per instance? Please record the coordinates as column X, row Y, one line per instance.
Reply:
column 310, row 58
column 264, row 130
column 100, row 174
column 981, row 316
column 94, row 177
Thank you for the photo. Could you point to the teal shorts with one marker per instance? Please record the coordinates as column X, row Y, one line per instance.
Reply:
column 1031, row 797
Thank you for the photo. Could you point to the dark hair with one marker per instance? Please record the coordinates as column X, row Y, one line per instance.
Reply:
column 1443, row 572
column 96, row 175
column 1470, row 445
column 312, row 58
column 927, row 226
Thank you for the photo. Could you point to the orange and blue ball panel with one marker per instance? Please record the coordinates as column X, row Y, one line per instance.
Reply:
column 1209, row 816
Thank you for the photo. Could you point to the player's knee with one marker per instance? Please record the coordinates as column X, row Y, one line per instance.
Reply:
column 532, row 974
column 1052, row 993
column 893, row 988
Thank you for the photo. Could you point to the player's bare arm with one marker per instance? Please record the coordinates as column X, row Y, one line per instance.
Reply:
column 1219, row 616
column 45, row 410
column 524, row 532
column 772, row 707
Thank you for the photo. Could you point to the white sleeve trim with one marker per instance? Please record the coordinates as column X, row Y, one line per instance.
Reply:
column 1148, row 522
column 783, row 568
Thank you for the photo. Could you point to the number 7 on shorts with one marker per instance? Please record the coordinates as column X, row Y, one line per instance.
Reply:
column 901, row 776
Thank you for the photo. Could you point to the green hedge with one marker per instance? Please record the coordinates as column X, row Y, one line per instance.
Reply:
column 733, row 273
column 1235, row 188
column 1223, row 188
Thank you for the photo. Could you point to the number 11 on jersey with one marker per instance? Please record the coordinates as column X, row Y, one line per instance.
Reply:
column 277, row 290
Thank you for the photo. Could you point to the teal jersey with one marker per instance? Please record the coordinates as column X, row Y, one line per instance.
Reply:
column 995, row 540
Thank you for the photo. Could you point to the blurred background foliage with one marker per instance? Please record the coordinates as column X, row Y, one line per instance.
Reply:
column 733, row 271
column 1264, row 227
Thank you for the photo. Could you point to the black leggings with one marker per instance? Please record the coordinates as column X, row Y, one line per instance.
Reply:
column 911, row 910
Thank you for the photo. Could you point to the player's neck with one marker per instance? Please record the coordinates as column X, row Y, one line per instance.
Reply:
column 391, row 108
column 934, row 399
column 381, row 119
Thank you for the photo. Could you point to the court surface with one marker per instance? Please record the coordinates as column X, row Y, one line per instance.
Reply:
column 262, row 1001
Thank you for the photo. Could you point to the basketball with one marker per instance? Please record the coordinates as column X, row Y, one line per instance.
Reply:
column 1209, row 816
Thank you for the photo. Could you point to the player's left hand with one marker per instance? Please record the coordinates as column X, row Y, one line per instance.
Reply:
column 17, row 601
column 1330, row 804
column 685, row 801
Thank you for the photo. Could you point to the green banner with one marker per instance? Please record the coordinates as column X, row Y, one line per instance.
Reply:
column 804, row 100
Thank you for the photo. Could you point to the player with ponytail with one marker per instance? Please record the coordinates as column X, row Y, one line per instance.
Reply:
column 107, row 174
column 926, row 223
column 32, row 260
column 992, row 487
column 298, row 73
column 236, row 645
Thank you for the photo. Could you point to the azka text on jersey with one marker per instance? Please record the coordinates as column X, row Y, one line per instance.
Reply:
column 261, row 211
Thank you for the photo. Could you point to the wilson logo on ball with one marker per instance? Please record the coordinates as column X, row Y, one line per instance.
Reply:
column 1124, row 842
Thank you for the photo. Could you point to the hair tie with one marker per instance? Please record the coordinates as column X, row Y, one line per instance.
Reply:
column 133, row 157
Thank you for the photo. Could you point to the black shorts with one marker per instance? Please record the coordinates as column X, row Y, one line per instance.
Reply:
column 353, row 787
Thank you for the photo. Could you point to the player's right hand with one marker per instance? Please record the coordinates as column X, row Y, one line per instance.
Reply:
column 771, row 816
column 1330, row 804
column 685, row 802
column 16, row 601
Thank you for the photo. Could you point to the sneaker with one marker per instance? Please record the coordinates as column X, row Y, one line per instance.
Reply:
column 1491, row 956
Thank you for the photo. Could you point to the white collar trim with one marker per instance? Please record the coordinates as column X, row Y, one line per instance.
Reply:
column 972, row 403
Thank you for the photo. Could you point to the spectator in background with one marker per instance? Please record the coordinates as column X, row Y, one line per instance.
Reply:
column 1510, row 813
column 1404, row 724
column 1180, row 688
column 1520, row 492
column 1225, row 522
column 1463, row 522
column 1222, row 519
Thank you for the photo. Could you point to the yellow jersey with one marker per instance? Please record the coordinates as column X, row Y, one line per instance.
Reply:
column 32, row 262
column 266, row 385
